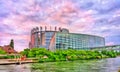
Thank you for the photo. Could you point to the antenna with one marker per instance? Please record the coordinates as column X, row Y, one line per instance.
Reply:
column 55, row 28
column 32, row 31
column 37, row 29
column 60, row 29
column 45, row 28
column 40, row 28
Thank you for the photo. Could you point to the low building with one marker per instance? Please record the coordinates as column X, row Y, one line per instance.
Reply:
column 61, row 38
column 8, row 49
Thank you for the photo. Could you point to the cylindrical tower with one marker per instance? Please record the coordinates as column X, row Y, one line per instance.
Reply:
column 33, row 37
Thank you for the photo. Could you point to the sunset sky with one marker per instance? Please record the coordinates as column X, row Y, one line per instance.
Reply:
column 96, row 17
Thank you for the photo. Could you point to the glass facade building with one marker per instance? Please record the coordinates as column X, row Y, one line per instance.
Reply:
column 62, row 39
column 77, row 41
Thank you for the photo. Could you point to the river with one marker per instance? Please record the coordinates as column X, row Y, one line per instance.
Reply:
column 103, row 65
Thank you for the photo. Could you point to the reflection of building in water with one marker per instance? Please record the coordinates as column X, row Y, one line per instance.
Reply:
column 61, row 38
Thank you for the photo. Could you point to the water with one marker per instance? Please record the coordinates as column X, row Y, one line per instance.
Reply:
column 104, row 65
column 15, row 68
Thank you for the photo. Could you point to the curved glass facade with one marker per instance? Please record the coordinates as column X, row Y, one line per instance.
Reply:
column 48, row 36
column 62, row 39
column 77, row 41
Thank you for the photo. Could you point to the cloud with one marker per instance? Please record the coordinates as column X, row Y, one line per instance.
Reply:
column 96, row 17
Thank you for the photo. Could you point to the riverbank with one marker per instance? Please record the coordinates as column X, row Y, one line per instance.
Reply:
column 15, row 61
column 44, row 55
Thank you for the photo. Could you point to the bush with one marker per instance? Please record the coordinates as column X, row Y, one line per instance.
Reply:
column 2, row 51
column 68, row 55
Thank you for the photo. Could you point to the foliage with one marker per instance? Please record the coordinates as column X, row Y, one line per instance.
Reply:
column 3, row 55
column 25, row 52
column 2, row 51
column 44, row 55
column 7, row 57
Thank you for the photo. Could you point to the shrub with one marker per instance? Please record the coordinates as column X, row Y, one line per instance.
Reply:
column 69, row 55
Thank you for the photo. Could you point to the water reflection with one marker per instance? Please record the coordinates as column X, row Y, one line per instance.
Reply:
column 15, row 68
column 104, row 65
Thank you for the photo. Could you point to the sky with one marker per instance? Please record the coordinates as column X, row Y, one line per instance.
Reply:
column 95, row 17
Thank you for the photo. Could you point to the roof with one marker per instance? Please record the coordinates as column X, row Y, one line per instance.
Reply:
column 8, row 49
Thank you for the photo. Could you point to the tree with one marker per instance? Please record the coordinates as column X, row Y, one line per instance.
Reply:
column 12, row 43
column 2, row 51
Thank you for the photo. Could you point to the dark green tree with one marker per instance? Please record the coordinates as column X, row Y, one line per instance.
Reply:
column 12, row 43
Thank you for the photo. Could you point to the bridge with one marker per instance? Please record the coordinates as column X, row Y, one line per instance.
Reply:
column 112, row 47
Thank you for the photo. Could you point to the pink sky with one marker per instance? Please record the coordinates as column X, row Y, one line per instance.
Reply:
column 18, row 17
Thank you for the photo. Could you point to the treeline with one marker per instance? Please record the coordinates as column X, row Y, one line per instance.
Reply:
column 44, row 55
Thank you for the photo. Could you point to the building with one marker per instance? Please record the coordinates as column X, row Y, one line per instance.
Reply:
column 61, row 38
column 8, row 49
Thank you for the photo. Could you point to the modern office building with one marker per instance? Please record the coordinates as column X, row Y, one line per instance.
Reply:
column 61, row 38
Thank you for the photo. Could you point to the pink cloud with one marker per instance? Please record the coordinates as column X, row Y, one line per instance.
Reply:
column 62, row 13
